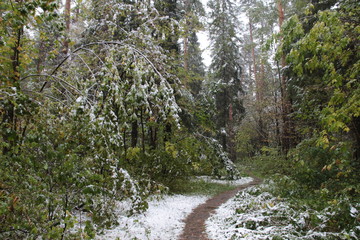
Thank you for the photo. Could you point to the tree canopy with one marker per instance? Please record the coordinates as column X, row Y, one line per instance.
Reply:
column 107, row 101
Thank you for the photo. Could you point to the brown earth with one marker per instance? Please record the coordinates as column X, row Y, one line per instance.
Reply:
column 195, row 222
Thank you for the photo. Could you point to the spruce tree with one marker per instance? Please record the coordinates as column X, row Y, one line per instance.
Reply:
column 226, row 70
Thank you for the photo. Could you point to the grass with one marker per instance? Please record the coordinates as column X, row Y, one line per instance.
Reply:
column 264, row 166
column 198, row 187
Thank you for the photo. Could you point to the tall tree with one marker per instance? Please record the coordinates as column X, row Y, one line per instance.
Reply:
column 321, row 52
column 194, row 70
column 286, row 137
column 17, row 49
column 261, row 20
column 226, row 70
column 193, row 10
column 196, row 66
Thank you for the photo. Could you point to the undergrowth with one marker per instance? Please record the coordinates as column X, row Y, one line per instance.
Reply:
column 198, row 187
column 260, row 213
column 319, row 186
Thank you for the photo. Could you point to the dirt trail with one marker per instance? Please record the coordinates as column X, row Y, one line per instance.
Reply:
column 195, row 222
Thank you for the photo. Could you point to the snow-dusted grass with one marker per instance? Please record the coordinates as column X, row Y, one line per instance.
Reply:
column 162, row 221
column 240, row 181
column 256, row 214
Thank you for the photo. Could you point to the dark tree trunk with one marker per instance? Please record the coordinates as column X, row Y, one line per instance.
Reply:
column 168, row 131
column 355, row 130
column 134, row 133
column 231, row 141
column 9, row 118
column 153, row 137
column 142, row 130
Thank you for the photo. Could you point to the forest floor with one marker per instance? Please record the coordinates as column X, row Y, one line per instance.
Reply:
column 244, row 211
column 195, row 228
column 169, row 217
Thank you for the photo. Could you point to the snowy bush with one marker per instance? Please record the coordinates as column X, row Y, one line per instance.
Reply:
column 257, row 214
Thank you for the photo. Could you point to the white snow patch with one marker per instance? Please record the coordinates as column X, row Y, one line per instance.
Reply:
column 241, row 181
column 248, row 217
column 353, row 211
column 255, row 214
column 162, row 221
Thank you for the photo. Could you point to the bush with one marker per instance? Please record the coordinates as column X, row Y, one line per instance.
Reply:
column 268, row 163
column 334, row 212
column 54, row 173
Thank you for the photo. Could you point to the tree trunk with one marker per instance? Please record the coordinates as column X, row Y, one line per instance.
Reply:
column 258, row 88
column 186, row 57
column 125, row 145
column 9, row 118
column 67, row 25
column 153, row 137
column 167, row 132
column 134, row 133
column 286, row 106
column 231, row 141
column 277, row 113
column 355, row 130
column 142, row 130
column 254, row 60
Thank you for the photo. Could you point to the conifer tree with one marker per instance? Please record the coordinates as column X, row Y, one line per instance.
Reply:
column 192, row 11
column 226, row 70
column 195, row 64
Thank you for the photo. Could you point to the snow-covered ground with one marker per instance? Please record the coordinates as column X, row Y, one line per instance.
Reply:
column 240, row 181
column 162, row 221
column 256, row 214
column 164, row 218
column 252, row 214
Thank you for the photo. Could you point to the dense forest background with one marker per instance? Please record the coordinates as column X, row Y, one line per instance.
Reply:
column 103, row 101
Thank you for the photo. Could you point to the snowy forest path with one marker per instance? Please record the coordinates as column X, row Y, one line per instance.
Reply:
column 195, row 222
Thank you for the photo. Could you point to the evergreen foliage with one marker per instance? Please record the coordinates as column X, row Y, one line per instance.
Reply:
column 111, row 102
column 225, row 71
column 81, row 131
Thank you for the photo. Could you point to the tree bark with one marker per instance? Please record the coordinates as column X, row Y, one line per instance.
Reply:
column 67, row 25
column 153, row 137
column 254, row 60
column 9, row 118
column 134, row 133
column 355, row 130
column 231, row 141
column 277, row 113
column 142, row 130
column 285, row 103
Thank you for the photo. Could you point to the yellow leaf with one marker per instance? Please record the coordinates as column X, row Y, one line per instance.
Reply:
column 339, row 174
column 271, row 204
